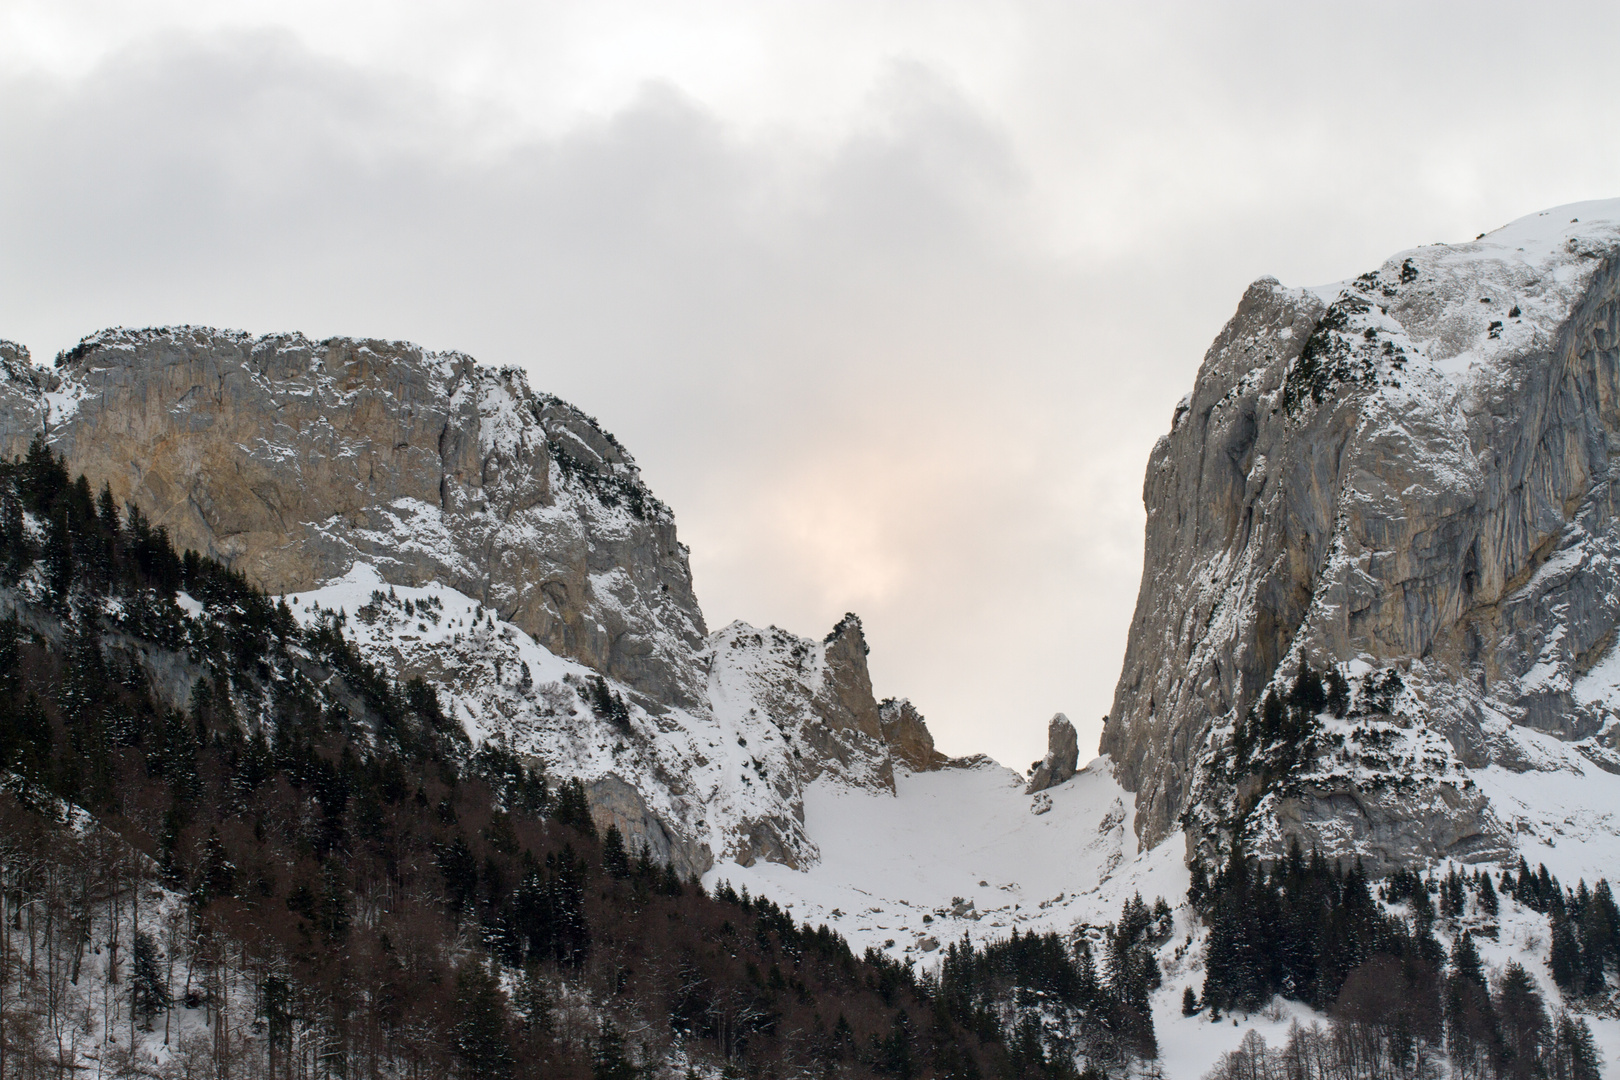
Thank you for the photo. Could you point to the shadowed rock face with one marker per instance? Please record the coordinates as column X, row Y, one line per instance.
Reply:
column 614, row 801
column 291, row 459
column 1411, row 473
column 909, row 739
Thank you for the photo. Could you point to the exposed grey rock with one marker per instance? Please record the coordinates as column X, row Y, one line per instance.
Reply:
column 1062, row 755
column 823, row 721
column 292, row 459
column 22, row 398
column 908, row 737
column 615, row 802
column 295, row 461
column 1413, row 472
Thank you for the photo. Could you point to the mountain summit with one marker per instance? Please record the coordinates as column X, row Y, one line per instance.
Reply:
column 1382, row 572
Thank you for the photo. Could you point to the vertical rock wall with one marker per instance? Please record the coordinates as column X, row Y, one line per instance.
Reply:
column 1409, row 473
column 291, row 459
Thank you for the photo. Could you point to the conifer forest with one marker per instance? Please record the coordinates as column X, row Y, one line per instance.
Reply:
column 351, row 890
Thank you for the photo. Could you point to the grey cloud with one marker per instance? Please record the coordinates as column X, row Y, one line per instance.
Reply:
column 783, row 332
column 913, row 367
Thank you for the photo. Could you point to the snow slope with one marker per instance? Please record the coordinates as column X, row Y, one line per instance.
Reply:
column 691, row 783
column 962, row 847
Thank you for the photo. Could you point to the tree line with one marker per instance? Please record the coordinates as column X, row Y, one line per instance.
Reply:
column 1399, row 1000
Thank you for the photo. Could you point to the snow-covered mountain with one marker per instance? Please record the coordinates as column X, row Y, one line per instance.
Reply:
column 1377, row 617
column 1407, row 479
column 497, row 542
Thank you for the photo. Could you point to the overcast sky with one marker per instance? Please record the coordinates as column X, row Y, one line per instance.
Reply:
column 890, row 300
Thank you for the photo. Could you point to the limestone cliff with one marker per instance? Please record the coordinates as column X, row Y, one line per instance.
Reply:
column 910, row 741
column 811, row 709
column 1407, row 480
column 292, row 460
column 495, row 541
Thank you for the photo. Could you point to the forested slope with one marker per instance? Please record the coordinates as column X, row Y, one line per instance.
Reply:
column 231, row 847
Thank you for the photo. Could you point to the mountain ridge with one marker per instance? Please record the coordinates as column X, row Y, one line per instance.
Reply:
column 330, row 470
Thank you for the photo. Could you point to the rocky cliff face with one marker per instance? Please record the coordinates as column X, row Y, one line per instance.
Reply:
column 292, row 460
column 498, row 542
column 1407, row 480
column 809, row 706
column 908, row 737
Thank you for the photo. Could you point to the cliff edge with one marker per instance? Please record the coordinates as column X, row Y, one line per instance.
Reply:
column 1382, row 554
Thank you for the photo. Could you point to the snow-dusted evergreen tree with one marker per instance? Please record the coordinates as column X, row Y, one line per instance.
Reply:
column 148, row 988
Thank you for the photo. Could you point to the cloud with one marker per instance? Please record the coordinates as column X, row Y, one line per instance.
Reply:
column 828, row 357
column 890, row 301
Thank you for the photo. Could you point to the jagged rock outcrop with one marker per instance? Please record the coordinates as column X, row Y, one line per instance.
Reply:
column 1408, row 479
column 814, row 700
column 497, row 542
column 1062, row 758
column 23, row 405
column 907, row 735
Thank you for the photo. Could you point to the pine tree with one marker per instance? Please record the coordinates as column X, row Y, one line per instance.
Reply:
column 1598, row 924
column 1465, row 961
column 534, row 1001
column 1489, row 904
column 614, row 859
column 1025, row 1050
column 609, row 1061
column 573, row 809
column 482, row 1044
column 572, row 935
column 1306, row 694
column 1273, row 718
column 1523, row 1019
column 16, row 553
column 894, row 1052
column 35, row 740
column 460, row 872
column 1574, row 1054
column 1338, row 693
column 1470, row 1017
column 1198, row 886
column 107, row 511
column 149, row 991
column 1565, row 956
column 1189, row 1002
column 58, row 555
column 216, row 876
column 332, row 915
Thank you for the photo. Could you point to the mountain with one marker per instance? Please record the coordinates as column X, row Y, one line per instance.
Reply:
column 1405, row 483
column 552, row 599
column 1376, row 626
column 1358, row 772
column 373, row 826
